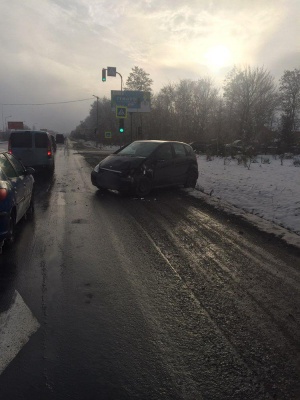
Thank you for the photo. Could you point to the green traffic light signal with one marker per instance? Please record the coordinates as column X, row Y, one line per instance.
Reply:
column 121, row 125
column 103, row 75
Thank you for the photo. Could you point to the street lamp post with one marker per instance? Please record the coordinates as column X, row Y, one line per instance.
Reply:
column 97, row 113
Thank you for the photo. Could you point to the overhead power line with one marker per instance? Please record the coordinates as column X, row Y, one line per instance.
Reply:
column 45, row 104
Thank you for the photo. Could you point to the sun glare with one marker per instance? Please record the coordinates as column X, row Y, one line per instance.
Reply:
column 217, row 56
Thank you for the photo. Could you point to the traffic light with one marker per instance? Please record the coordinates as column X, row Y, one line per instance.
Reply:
column 121, row 125
column 103, row 75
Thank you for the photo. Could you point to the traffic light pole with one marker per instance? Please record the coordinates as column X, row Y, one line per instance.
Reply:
column 131, row 126
column 121, row 81
column 112, row 71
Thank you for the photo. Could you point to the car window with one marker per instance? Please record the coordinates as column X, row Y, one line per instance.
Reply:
column 164, row 152
column 41, row 140
column 138, row 149
column 16, row 164
column 179, row 150
column 7, row 168
column 188, row 150
column 20, row 139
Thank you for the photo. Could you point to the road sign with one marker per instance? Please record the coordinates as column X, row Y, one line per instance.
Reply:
column 134, row 100
column 15, row 125
column 121, row 112
column 107, row 135
column 111, row 71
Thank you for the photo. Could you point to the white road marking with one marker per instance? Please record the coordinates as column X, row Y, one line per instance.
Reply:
column 17, row 324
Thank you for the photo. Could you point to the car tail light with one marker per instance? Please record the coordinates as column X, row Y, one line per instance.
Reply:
column 49, row 151
column 9, row 147
column 3, row 194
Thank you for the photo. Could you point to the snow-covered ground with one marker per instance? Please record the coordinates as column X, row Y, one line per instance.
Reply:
column 266, row 192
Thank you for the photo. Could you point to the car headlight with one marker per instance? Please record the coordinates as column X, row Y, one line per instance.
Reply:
column 96, row 169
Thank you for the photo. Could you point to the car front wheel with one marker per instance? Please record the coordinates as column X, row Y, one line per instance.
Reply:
column 143, row 186
column 11, row 230
column 102, row 189
column 30, row 210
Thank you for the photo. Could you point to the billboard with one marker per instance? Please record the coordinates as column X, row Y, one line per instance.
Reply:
column 15, row 125
column 134, row 100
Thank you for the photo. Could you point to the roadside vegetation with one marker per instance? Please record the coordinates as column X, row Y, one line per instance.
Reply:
column 252, row 109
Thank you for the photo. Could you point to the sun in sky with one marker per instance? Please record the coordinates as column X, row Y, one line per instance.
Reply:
column 217, row 56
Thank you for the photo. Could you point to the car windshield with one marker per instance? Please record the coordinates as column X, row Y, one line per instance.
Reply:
column 138, row 149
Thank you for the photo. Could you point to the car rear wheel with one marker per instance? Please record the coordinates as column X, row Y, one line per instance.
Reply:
column 191, row 180
column 143, row 186
column 51, row 170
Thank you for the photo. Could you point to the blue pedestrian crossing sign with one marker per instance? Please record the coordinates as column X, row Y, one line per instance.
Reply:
column 121, row 112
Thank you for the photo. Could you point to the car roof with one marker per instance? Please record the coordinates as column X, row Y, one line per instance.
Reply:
column 159, row 141
column 29, row 130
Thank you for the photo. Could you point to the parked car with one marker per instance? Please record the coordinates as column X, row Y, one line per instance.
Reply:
column 16, row 195
column 146, row 164
column 33, row 148
column 60, row 138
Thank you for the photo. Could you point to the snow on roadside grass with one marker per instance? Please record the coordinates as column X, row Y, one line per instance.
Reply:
column 267, row 190
column 266, row 194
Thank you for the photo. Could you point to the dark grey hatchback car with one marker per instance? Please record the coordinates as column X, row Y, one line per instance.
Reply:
column 147, row 164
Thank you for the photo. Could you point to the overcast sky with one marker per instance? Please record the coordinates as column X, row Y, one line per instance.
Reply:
column 54, row 50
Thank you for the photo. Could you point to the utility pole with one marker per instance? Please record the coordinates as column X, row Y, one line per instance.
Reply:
column 97, row 113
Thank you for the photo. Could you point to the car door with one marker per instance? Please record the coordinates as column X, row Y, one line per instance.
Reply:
column 18, row 185
column 27, row 179
column 163, row 165
column 181, row 163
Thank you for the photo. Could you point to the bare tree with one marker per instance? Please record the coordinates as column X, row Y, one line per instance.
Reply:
column 204, row 100
column 106, row 121
column 290, row 103
column 194, row 110
column 163, row 113
column 251, row 98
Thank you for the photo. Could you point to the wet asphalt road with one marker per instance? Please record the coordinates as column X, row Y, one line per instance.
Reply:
column 160, row 298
